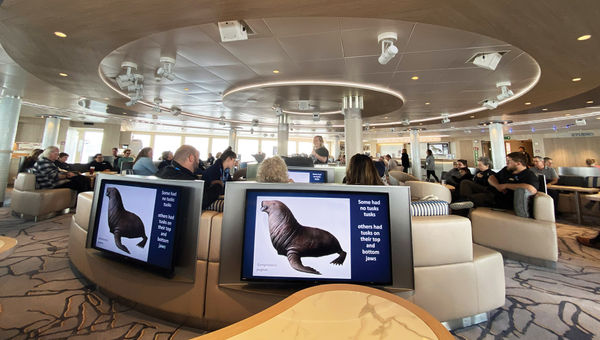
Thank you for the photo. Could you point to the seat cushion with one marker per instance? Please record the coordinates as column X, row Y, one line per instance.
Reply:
column 429, row 208
column 441, row 240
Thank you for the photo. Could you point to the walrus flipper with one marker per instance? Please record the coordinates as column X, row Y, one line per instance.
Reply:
column 296, row 263
column 142, row 243
column 119, row 244
column 340, row 259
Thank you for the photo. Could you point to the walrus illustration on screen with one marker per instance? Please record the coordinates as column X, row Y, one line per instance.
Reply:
column 295, row 241
column 123, row 223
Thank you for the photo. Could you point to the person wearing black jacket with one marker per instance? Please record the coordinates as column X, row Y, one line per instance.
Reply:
column 100, row 164
column 480, row 180
column 404, row 161
column 216, row 176
column 183, row 165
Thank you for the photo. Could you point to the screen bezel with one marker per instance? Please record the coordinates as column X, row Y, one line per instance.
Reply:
column 186, row 238
column 316, row 280
column 232, row 232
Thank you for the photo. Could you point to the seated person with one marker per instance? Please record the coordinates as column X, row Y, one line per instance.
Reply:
column 362, row 171
column 100, row 164
column 126, row 158
column 61, row 162
column 391, row 163
column 273, row 170
column 591, row 163
column 216, row 176
column 480, row 182
column 166, row 159
column 515, row 175
column 259, row 156
column 539, row 168
column 455, row 177
column 30, row 160
column 143, row 164
column 116, row 157
column 184, row 164
column 47, row 175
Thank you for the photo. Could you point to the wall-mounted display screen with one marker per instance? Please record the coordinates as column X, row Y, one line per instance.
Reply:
column 439, row 148
column 308, row 176
column 138, row 221
column 317, row 236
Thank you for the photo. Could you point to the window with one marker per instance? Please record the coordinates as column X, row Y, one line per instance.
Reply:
column 219, row 145
column 305, row 148
column 92, row 144
column 291, row 147
column 145, row 139
column 200, row 143
column 267, row 146
column 246, row 148
column 165, row 143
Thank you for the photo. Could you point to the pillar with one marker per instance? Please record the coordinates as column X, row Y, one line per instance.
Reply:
column 233, row 139
column 10, row 107
column 283, row 134
column 497, row 143
column 335, row 148
column 50, row 137
column 415, row 153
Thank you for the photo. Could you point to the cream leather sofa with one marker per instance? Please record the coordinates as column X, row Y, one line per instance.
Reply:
column 27, row 201
column 453, row 278
column 420, row 189
column 402, row 176
column 530, row 240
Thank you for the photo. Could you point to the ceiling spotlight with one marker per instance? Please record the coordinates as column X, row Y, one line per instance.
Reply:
column 445, row 119
column 60, row 34
column 576, row 79
column 129, row 78
column 175, row 111
column 584, row 37
column 528, row 103
column 489, row 104
column 590, row 102
column 157, row 102
column 388, row 50
column 165, row 71
column 278, row 111
column 406, row 122
column 276, row 71
column 62, row 74
column 506, row 92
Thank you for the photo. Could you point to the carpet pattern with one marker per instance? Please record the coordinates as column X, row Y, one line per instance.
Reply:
column 42, row 298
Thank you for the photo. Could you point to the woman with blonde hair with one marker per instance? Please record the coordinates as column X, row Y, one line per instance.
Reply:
column 272, row 170
column 362, row 171
column 143, row 164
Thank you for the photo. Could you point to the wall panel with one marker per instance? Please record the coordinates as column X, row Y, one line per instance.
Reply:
column 572, row 151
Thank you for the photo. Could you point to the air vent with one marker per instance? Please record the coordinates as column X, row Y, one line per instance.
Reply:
column 88, row 123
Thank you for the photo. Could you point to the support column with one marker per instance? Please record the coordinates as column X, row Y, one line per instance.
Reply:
column 50, row 137
column 10, row 107
column 497, row 143
column 283, row 134
column 415, row 153
column 233, row 139
column 335, row 148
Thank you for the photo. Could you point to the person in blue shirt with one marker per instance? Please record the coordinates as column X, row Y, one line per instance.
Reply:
column 143, row 164
column 216, row 176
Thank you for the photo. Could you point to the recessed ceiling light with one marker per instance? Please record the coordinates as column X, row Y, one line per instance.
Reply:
column 528, row 103
column 427, row 103
column 414, row 77
column 106, row 98
column 576, row 79
column 597, row 117
column 186, row 89
column 420, row 123
column 584, row 37
column 63, row 74
column 544, row 109
column 275, row 71
column 471, row 116
column 60, row 34
column 386, row 117
column 567, row 114
column 590, row 102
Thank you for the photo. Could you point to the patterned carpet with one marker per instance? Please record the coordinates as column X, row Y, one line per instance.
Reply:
column 42, row 298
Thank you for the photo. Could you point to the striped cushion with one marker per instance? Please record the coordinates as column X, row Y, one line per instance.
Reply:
column 429, row 208
column 217, row 206
column 592, row 182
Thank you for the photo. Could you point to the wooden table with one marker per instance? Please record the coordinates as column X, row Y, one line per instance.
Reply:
column 337, row 311
column 576, row 191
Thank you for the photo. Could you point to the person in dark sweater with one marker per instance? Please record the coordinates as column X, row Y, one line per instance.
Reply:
column 480, row 182
column 61, row 162
column 405, row 162
column 30, row 160
column 166, row 159
column 100, row 164
column 216, row 176
column 115, row 153
column 461, row 173
column 184, row 164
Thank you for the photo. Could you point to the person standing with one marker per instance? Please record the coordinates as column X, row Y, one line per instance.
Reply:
column 320, row 154
column 216, row 176
column 430, row 166
column 405, row 162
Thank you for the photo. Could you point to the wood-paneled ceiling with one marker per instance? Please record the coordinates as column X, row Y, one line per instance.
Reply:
column 305, row 39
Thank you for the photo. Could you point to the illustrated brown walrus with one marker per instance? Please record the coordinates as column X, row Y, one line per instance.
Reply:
column 295, row 241
column 123, row 223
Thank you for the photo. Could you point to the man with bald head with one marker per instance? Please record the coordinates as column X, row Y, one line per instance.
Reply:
column 185, row 162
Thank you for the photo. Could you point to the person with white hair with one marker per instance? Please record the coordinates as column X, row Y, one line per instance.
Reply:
column 47, row 175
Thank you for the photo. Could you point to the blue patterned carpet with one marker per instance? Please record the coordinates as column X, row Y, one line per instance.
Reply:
column 42, row 298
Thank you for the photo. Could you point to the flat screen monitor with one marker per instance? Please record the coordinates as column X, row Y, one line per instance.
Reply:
column 308, row 176
column 142, row 220
column 328, row 233
column 311, row 174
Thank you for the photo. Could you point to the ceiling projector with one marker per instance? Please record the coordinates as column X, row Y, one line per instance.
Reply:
column 232, row 31
column 488, row 61
column 580, row 122
column 490, row 104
